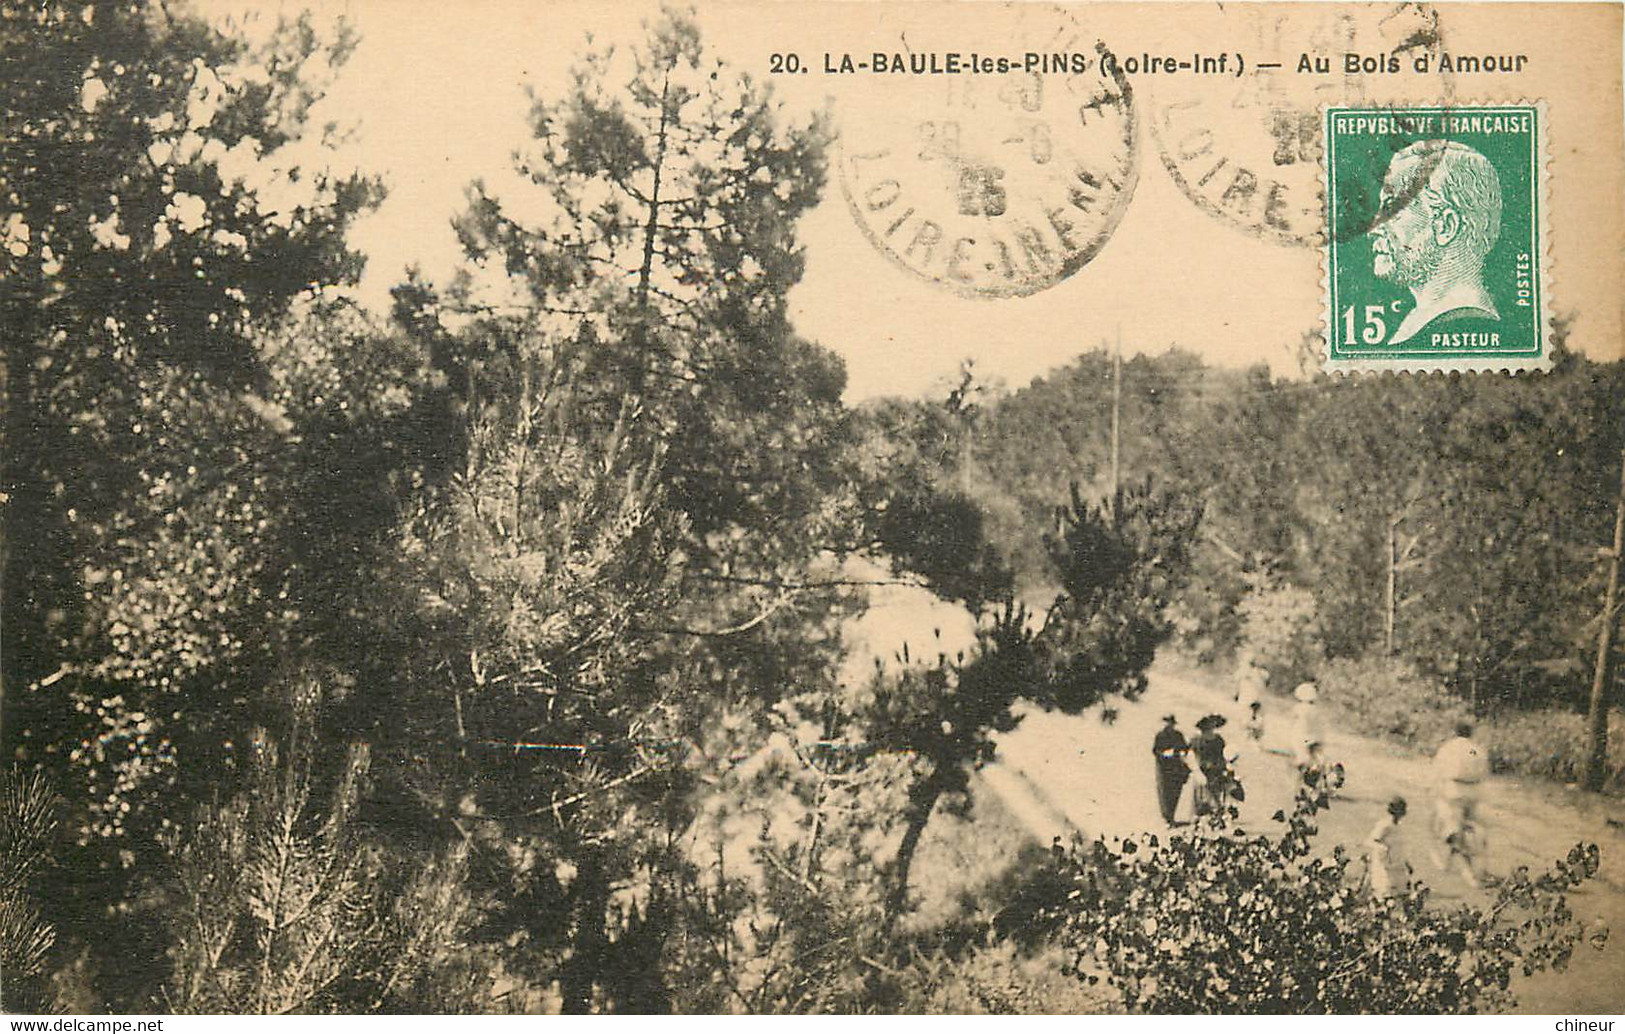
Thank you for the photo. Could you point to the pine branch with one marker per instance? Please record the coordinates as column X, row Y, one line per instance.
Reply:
column 577, row 798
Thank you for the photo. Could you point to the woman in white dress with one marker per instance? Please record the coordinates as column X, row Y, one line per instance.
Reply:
column 1250, row 679
column 1377, row 849
column 1308, row 734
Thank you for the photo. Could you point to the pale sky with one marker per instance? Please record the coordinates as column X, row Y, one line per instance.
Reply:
column 437, row 91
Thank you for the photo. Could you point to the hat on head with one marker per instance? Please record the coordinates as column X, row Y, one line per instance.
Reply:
column 1212, row 721
column 1306, row 692
column 1170, row 719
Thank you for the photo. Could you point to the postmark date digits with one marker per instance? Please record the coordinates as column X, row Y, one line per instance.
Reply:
column 939, row 138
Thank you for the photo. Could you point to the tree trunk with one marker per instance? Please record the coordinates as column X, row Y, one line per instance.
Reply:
column 34, row 568
column 639, row 978
column 651, row 231
column 589, row 955
column 1117, row 409
column 922, row 800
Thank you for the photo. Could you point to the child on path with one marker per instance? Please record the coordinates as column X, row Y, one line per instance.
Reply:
column 1250, row 679
column 1377, row 849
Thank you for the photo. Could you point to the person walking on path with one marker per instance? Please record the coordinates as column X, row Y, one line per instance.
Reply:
column 1250, row 679
column 1170, row 750
column 1307, row 733
column 1377, row 849
column 1459, row 765
column 1213, row 778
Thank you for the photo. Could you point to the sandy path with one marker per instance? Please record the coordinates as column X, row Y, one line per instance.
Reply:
column 1059, row 773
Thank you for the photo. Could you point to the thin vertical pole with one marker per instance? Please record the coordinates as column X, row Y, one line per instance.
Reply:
column 1391, row 596
column 1117, row 407
column 1596, row 762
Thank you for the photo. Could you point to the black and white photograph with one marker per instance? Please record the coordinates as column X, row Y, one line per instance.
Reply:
column 811, row 507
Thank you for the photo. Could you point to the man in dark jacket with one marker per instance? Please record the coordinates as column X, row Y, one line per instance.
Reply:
column 1169, row 748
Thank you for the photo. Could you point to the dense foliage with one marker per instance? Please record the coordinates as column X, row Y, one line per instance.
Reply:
column 143, row 263
column 1218, row 920
column 1454, row 522
column 284, row 906
column 168, row 442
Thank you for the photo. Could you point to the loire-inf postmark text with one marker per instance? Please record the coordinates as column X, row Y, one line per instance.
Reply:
column 1435, row 251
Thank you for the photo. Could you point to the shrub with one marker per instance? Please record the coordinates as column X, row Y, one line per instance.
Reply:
column 782, row 901
column 1280, row 626
column 286, row 907
column 1387, row 697
column 999, row 979
column 1207, row 618
column 1550, row 744
column 1220, row 921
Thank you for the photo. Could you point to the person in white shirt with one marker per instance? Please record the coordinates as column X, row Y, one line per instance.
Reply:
column 1460, row 765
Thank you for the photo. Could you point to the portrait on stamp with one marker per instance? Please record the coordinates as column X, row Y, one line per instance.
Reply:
column 1435, row 249
column 1436, row 242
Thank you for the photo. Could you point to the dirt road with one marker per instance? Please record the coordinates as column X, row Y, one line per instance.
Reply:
column 1059, row 773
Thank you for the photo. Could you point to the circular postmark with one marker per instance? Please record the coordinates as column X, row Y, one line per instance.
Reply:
column 993, row 183
column 1248, row 150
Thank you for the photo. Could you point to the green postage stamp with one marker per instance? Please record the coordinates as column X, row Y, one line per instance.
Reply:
column 1435, row 243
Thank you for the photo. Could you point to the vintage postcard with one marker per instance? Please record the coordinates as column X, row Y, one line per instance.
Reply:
column 811, row 508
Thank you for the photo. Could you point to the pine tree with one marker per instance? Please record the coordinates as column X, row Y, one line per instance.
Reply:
column 287, row 904
column 1097, row 638
column 653, row 478
column 28, row 824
